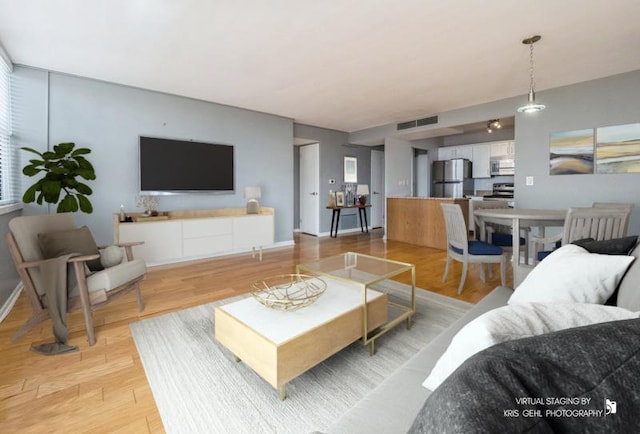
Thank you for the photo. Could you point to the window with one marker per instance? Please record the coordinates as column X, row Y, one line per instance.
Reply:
column 8, row 156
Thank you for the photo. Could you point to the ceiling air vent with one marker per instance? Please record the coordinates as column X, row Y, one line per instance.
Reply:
column 427, row 121
column 406, row 125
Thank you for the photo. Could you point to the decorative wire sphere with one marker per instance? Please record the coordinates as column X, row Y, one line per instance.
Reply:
column 288, row 291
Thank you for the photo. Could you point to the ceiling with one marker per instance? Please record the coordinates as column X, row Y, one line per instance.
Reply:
column 340, row 64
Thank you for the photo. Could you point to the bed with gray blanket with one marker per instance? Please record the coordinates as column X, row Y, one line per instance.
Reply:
column 457, row 406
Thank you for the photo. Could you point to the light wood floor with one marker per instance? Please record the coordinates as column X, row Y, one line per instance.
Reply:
column 104, row 389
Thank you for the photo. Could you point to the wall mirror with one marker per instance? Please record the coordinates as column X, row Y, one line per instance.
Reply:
column 350, row 169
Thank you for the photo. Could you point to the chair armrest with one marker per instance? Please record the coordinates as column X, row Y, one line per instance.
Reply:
column 540, row 240
column 129, row 244
column 39, row 262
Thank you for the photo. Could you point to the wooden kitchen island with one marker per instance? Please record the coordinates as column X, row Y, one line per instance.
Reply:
column 419, row 220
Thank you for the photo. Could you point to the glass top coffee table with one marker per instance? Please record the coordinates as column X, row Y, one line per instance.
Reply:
column 367, row 271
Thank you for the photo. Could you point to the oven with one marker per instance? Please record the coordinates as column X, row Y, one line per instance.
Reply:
column 502, row 191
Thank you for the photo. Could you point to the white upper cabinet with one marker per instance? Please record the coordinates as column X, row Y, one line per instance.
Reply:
column 481, row 160
column 450, row 152
column 503, row 149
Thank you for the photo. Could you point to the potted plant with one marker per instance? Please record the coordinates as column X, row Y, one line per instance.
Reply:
column 62, row 170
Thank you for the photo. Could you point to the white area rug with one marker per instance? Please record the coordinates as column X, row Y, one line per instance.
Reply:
column 199, row 388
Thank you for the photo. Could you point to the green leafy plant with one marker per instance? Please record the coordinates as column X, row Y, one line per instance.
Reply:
column 62, row 168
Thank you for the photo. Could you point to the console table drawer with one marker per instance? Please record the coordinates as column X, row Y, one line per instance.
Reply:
column 208, row 227
column 207, row 245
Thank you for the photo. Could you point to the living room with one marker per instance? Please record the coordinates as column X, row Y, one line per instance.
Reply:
column 52, row 104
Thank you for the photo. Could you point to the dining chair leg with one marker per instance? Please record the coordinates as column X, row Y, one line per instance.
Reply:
column 490, row 271
column 463, row 277
column 503, row 271
column 482, row 272
column 446, row 268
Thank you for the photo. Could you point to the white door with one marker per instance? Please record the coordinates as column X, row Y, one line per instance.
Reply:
column 422, row 176
column 309, row 188
column 377, row 189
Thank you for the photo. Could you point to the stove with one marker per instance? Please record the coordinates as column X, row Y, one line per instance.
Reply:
column 502, row 191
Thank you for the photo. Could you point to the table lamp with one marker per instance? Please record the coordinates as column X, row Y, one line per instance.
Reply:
column 252, row 194
column 362, row 191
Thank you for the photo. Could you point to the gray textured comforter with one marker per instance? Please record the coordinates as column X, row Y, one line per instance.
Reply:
column 582, row 380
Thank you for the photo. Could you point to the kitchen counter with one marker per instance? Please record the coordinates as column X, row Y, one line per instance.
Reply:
column 419, row 220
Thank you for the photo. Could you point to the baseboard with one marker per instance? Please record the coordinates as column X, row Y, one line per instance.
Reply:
column 8, row 305
column 343, row 231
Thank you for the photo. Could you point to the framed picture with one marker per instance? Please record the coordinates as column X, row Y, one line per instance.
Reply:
column 571, row 152
column 618, row 149
column 350, row 170
column 339, row 198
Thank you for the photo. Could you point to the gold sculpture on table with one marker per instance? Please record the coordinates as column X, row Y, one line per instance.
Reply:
column 288, row 292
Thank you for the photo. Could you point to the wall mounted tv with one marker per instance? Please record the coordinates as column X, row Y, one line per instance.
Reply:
column 181, row 166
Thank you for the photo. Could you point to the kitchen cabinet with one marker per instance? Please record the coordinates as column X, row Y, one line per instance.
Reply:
column 503, row 149
column 481, row 157
column 450, row 152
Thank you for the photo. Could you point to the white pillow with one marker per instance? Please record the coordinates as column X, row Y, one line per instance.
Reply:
column 572, row 274
column 514, row 322
column 111, row 256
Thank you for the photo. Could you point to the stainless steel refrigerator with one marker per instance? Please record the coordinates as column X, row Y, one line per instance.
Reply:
column 452, row 178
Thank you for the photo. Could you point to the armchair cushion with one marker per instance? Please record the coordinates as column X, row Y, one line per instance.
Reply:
column 80, row 240
column 116, row 276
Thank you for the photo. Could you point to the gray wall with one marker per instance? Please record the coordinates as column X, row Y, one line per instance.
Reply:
column 333, row 147
column 108, row 118
column 8, row 275
column 604, row 102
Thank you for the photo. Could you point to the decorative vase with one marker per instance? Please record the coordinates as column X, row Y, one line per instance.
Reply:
column 363, row 200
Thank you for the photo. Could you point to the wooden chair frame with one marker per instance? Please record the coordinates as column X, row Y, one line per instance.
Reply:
column 84, row 301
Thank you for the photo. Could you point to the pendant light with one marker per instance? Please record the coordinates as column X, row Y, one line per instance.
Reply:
column 531, row 106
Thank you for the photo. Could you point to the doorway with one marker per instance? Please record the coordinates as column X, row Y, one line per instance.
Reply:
column 421, row 183
column 309, row 188
column 378, row 202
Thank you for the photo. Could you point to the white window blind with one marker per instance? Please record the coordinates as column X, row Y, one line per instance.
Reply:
column 8, row 155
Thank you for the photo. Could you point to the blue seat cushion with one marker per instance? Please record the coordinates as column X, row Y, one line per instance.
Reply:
column 480, row 248
column 543, row 254
column 504, row 240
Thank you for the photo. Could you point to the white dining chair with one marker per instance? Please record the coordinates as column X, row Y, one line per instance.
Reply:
column 580, row 223
column 461, row 249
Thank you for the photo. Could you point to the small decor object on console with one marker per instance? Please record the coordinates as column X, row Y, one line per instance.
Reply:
column 252, row 194
column 362, row 191
column 149, row 203
column 288, row 291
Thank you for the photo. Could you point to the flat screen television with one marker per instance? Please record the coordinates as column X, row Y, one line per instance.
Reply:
column 181, row 166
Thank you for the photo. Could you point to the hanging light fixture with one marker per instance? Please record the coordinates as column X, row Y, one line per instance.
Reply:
column 493, row 124
column 532, row 105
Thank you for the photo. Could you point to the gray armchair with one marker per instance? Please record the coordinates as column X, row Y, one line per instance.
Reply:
column 87, row 290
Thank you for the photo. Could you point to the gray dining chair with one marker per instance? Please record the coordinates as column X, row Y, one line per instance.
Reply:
column 461, row 249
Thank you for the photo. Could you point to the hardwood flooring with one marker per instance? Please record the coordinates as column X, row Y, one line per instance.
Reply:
column 104, row 389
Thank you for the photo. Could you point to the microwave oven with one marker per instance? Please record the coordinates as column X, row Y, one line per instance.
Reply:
column 504, row 166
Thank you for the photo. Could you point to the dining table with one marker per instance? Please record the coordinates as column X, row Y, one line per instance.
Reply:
column 518, row 218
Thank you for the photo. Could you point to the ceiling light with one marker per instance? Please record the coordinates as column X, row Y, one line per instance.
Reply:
column 532, row 105
column 493, row 124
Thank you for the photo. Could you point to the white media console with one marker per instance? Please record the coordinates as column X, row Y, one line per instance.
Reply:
column 175, row 236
